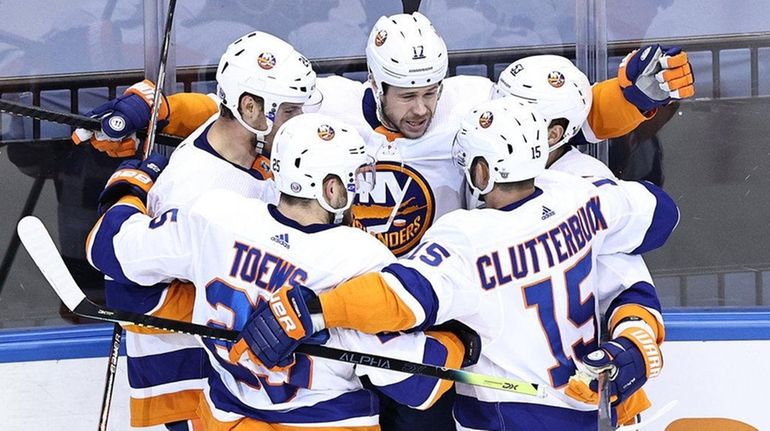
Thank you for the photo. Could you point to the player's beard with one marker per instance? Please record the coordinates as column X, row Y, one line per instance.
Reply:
column 396, row 125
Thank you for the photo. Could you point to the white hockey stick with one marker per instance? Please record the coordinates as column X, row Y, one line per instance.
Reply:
column 43, row 251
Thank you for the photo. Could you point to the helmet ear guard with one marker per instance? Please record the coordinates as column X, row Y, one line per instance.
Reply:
column 554, row 85
column 310, row 147
column 265, row 66
column 404, row 50
column 511, row 137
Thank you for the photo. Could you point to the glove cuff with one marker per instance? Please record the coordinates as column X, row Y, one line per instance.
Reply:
column 146, row 90
column 648, row 347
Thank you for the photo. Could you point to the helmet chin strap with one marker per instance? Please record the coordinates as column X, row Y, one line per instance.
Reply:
column 261, row 134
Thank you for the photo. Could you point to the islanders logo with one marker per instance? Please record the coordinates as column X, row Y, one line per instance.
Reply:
column 485, row 120
column 325, row 132
column 266, row 60
column 398, row 210
column 380, row 38
column 556, row 79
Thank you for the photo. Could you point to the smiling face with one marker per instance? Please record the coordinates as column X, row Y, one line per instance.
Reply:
column 410, row 110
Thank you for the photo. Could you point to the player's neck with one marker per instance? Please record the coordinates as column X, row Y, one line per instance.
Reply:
column 555, row 155
column 305, row 215
column 498, row 198
column 233, row 142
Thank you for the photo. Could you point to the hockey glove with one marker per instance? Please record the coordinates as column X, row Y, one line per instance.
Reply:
column 631, row 358
column 121, row 118
column 133, row 177
column 278, row 326
column 652, row 76
column 470, row 339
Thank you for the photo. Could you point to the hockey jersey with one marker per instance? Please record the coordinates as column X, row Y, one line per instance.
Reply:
column 236, row 251
column 523, row 277
column 166, row 370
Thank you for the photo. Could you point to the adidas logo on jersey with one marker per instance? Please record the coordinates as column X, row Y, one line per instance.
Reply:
column 547, row 212
column 282, row 239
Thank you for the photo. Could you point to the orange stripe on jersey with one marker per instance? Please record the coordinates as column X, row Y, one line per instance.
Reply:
column 389, row 134
column 125, row 200
column 611, row 114
column 632, row 406
column 178, row 305
column 162, row 409
column 188, row 112
column 262, row 165
column 633, row 310
column 211, row 423
column 455, row 353
column 366, row 303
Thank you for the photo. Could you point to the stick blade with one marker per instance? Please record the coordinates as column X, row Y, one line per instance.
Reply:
column 44, row 253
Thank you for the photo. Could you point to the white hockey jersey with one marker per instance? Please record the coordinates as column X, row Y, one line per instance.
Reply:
column 166, row 369
column 236, row 251
column 522, row 277
column 417, row 181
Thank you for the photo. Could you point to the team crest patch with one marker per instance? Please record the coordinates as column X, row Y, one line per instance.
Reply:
column 398, row 210
column 325, row 132
column 556, row 79
column 380, row 38
column 485, row 120
column 266, row 60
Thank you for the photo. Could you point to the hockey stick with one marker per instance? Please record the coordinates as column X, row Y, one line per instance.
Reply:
column 605, row 408
column 41, row 248
column 74, row 120
column 149, row 143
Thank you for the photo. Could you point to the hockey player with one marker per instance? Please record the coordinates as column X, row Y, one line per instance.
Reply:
column 236, row 251
column 262, row 82
column 562, row 100
column 521, row 273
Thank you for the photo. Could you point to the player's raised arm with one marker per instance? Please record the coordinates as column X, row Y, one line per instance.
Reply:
column 126, row 244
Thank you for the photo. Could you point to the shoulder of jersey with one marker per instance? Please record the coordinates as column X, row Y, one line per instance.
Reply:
column 221, row 206
column 580, row 164
column 463, row 92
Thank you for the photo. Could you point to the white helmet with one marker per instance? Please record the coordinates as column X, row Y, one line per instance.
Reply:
column 308, row 148
column 554, row 84
column 405, row 51
column 265, row 66
column 510, row 136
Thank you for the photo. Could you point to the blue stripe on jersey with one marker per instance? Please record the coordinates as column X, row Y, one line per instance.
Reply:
column 420, row 288
column 664, row 220
column 133, row 297
column 641, row 293
column 360, row 403
column 415, row 390
column 604, row 182
column 512, row 206
column 369, row 109
column 103, row 250
column 186, row 364
column 472, row 413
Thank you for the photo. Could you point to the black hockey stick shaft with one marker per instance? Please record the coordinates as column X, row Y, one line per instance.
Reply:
column 73, row 120
column 149, row 143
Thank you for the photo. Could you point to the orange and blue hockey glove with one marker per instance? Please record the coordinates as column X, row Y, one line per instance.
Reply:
column 133, row 177
column 653, row 76
column 279, row 325
column 121, row 118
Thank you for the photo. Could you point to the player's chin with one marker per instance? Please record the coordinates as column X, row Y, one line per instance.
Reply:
column 413, row 129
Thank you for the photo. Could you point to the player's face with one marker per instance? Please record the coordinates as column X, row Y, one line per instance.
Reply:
column 410, row 110
column 284, row 113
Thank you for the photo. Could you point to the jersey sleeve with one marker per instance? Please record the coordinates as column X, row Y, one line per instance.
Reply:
column 130, row 247
column 429, row 286
column 188, row 111
column 638, row 216
column 439, row 348
column 611, row 114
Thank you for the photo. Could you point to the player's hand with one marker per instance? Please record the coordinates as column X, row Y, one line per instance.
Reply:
column 121, row 118
column 278, row 326
column 631, row 358
column 133, row 177
column 653, row 76
column 470, row 339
